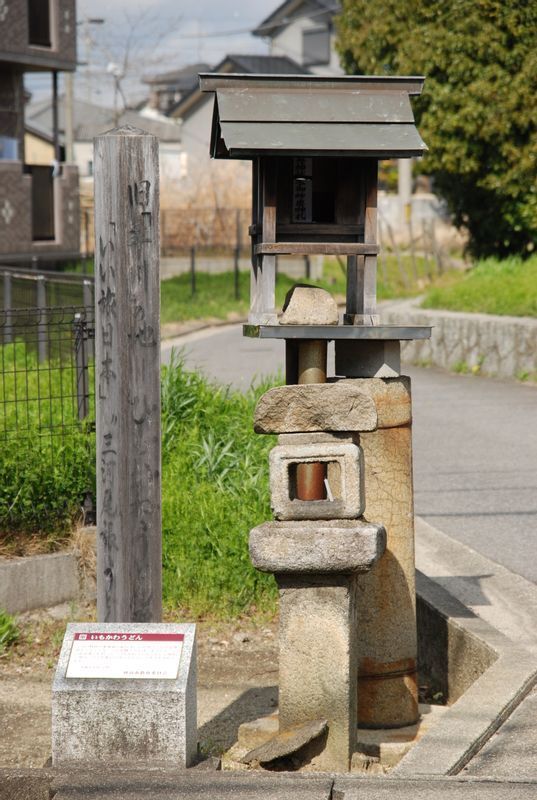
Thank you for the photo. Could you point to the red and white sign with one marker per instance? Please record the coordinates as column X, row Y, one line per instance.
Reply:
column 124, row 654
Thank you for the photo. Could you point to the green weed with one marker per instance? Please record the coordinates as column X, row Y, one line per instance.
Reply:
column 9, row 631
column 215, row 489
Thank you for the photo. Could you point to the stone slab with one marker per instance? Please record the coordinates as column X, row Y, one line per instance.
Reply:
column 431, row 789
column 315, row 407
column 513, row 749
column 345, row 477
column 286, row 743
column 125, row 721
column 190, row 785
column 37, row 581
column 390, row 745
column 25, row 784
column 490, row 700
column 256, row 732
column 340, row 546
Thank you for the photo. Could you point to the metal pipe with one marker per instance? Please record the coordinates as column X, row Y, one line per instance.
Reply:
column 310, row 478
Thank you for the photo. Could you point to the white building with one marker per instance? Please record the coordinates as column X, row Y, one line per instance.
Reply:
column 304, row 31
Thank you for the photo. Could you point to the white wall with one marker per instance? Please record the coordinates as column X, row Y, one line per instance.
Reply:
column 288, row 42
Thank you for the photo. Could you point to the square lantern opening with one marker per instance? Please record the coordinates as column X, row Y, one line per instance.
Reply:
column 329, row 477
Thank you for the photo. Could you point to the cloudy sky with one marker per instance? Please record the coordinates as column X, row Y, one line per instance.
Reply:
column 165, row 34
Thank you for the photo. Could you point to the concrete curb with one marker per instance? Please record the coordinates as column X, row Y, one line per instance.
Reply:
column 38, row 581
column 503, row 347
column 467, row 725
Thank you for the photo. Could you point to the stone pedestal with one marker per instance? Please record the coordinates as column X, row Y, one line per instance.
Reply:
column 137, row 721
column 318, row 664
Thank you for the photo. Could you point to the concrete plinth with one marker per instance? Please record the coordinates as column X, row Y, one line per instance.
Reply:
column 318, row 665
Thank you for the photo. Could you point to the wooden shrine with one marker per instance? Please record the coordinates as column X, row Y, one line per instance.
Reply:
column 315, row 143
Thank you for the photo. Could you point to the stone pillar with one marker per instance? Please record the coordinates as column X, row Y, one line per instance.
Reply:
column 386, row 597
column 318, row 666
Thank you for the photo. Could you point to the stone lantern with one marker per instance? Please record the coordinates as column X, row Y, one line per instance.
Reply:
column 342, row 542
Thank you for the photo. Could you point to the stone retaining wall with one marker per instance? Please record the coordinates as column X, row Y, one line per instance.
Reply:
column 504, row 347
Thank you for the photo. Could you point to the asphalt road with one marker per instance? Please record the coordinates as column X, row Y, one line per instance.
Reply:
column 475, row 444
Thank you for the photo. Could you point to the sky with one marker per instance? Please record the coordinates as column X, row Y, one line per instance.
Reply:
column 165, row 34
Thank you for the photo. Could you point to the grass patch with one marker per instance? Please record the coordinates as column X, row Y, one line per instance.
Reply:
column 9, row 631
column 398, row 277
column 214, row 297
column 215, row 489
column 506, row 287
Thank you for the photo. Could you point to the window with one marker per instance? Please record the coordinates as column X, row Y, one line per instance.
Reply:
column 39, row 23
column 315, row 46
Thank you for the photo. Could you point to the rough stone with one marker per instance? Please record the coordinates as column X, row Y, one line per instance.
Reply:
column 258, row 731
column 308, row 305
column 364, row 358
column 341, row 406
column 344, row 474
column 391, row 396
column 318, row 664
column 125, row 722
column 341, row 546
column 287, row 742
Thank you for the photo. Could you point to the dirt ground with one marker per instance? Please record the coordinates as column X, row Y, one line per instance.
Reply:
column 237, row 677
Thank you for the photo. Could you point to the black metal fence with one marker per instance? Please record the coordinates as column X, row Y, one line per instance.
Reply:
column 46, row 376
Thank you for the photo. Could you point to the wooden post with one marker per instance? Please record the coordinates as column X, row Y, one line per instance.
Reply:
column 362, row 270
column 262, row 308
column 127, row 377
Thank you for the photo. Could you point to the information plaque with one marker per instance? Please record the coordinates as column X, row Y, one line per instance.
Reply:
column 125, row 655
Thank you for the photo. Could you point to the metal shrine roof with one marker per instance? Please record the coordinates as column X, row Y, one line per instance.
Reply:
column 313, row 115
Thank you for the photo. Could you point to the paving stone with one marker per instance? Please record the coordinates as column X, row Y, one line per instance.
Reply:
column 190, row 785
